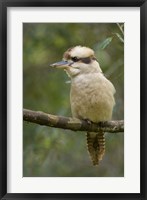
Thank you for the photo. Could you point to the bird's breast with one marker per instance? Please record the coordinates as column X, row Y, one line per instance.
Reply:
column 92, row 98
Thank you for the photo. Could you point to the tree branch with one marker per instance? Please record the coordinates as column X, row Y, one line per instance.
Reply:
column 73, row 124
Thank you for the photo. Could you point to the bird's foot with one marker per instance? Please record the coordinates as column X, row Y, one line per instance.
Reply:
column 88, row 121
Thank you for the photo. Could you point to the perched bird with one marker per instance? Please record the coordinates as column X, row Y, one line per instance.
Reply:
column 91, row 95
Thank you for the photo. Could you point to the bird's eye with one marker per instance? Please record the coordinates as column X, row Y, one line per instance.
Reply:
column 75, row 59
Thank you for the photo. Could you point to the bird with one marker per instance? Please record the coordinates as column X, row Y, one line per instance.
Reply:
column 91, row 94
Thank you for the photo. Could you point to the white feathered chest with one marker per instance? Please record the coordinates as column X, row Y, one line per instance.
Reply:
column 91, row 97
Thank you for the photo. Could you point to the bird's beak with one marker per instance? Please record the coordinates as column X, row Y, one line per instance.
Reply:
column 61, row 64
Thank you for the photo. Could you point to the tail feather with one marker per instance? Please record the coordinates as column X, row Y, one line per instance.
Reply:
column 96, row 146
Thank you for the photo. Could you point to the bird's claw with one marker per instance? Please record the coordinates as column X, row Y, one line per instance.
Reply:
column 88, row 121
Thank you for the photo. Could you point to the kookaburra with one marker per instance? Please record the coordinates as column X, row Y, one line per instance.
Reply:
column 91, row 95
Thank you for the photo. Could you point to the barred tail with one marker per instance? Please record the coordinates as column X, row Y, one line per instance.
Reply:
column 96, row 146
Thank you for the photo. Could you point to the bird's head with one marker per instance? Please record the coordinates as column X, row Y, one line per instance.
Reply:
column 78, row 60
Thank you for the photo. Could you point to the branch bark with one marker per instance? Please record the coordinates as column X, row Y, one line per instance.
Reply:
column 73, row 124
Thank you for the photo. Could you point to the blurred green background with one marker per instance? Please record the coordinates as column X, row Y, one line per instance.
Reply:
column 57, row 152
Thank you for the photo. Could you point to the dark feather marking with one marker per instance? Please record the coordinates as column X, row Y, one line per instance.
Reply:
column 86, row 60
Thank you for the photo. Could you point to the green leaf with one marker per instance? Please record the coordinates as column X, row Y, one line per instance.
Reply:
column 105, row 43
column 119, row 36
